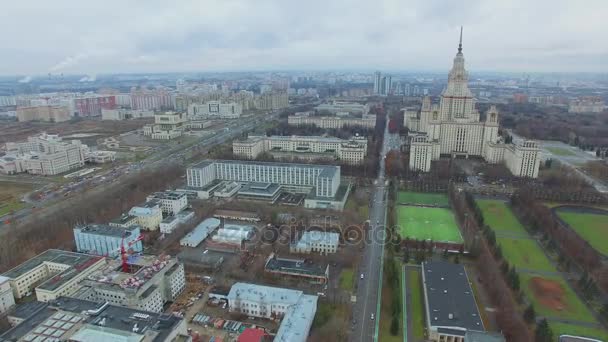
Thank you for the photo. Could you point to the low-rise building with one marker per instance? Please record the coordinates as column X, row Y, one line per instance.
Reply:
column 149, row 283
column 296, row 309
column 297, row 268
column 106, row 240
column 301, row 119
column 200, row 232
column 237, row 215
column 318, row 242
column 351, row 151
column 336, row 107
column 52, row 274
column 215, row 109
column 71, row 319
column 233, row 234
column 148, row 215
column 450, row 304
column 7, row 300
column 125, row 114
column 123, row 221
column 171, row 202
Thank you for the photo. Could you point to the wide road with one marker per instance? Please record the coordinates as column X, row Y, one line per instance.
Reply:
column 369, row 288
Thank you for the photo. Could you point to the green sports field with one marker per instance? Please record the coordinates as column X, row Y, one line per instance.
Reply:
column 498, row 215
column 553, row 298
column 422, row 198
column 422, row 223
column 525, row 254
column 591, row 227
column 562, row 152
column 577, row 330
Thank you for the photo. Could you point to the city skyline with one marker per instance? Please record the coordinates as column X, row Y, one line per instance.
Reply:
column 244, row 36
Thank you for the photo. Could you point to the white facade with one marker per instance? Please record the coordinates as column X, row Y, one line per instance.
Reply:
column 351, row 151
column 454, row 128
column 148, row 215
column 7, row 300
column 215, row 109
column 317, row 242
column 300, row 119
column 342, row 107
column 167, row 126
column 171, row 202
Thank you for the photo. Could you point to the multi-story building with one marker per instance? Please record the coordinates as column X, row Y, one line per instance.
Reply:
column 150, row 282
column 453, row 127
column 43, row 113
column 377, row 82
column 318, row 242
column 72, row 319
column 147, row 99
column 105, row 240
column 352, row 151
column 148, row 215
column 7, row 300
column 52, row 273
column 91, row 105
column 272, row 100
column 337, row 107
column 305, row 118
column 46, row 154
column 171, row 202
column 299, row 269
column 587, row 104
column 167, row 125
column 215, row 109
column 296, row 309
column 125, row 114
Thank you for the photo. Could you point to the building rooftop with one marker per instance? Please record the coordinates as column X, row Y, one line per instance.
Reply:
column 483, row 336
column 201, row 231
column 450, row 300
column 27, row 309
column 259, row 189
column 236, row 213
column 81, row 320
column 106, row 230
column 298, row 266
column 325, row 170
column 168, row 195
column 123, row 219
column 75, row 261
column 143, row 267
column 312, row 237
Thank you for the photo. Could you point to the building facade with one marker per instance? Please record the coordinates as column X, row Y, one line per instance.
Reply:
column 352, row 151
column 105, row 240
column 215, row 109
column 148, row 215
column 301, row 119
column 167, row 126
column 43, row 113
column 317, row 242
column 171, row 202
column 7, row 300
column 454, row 128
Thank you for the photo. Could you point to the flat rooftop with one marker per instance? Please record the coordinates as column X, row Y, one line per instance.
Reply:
column 123, row 219
column 236, row 213
column 450, row 299
column 111, row 274
column 325, row 170
column 298, row 266
column 51, row 255
column 106, row 230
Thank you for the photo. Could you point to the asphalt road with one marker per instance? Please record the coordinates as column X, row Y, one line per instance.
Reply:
column 368, row 291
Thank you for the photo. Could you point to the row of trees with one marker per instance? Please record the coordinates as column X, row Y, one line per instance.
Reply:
column 508, row 318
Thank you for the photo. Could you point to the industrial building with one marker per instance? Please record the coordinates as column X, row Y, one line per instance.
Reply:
column 318, row 242
column 200, row 232
column 450, row 304
column 148, row 283
column 296, row 308
column 349, row 151
column 71, row 319
column 265, row 180
column 171, row 202
column 106, row 240
column 52, row 274
column 297, row 268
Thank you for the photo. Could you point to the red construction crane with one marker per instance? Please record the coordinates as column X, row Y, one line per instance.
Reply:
column 123, row 251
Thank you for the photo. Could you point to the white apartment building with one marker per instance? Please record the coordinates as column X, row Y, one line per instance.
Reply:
column 453, row 127
column 304, row 118
column 45, row 154
column 352, row 151
column 171, row 202
column 317, row 242
column 52, row 274
column 296, row 309
column 149, row 215
column 167, row 126
column 271, row 100
column 7, row 300
column 324, row 179
column 215, row 109
column 43, row 113
column 125, row 114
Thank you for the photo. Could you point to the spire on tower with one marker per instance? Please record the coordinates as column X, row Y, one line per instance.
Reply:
column 460, row 43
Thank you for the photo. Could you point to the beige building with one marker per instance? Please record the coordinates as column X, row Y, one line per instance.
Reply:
column 271, row 100
column 149, row 215
column 167, row 126
column 7, row 300
column 215, row 109
column 305, row 118
column 351, row 151
column 43, row 113
column 453, row 127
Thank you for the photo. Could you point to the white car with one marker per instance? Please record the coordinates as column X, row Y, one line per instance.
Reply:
column 372, row 317
column 361, row 275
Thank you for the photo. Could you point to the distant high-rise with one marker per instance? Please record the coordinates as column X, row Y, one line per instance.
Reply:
column 377, row 82
column 387, row 85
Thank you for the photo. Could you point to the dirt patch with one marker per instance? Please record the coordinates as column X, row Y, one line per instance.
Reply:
column 549, row 293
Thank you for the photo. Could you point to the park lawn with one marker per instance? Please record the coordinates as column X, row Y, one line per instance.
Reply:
column 577, row 330
column 525, row 254
column 423, row 223
column 499, row 217
column 417, row 313
column 362, row 210
column 10, row 196
column 423, row 198
column 565, row 303
column 562, row 152
column 591, row 227
column 347, row 279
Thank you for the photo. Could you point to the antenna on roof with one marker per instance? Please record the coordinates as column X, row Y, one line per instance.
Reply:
column 460, row 43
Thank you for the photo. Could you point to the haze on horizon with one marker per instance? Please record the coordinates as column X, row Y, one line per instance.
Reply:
column 68, row 36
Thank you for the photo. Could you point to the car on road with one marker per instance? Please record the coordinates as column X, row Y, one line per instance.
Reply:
column 372, row 317
column 361, row 275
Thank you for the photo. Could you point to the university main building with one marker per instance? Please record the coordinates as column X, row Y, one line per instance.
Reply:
column 453, row 127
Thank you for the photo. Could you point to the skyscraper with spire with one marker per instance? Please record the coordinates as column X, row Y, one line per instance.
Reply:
column 453, row 128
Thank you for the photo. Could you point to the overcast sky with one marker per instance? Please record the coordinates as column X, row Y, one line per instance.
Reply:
column 113, row 36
